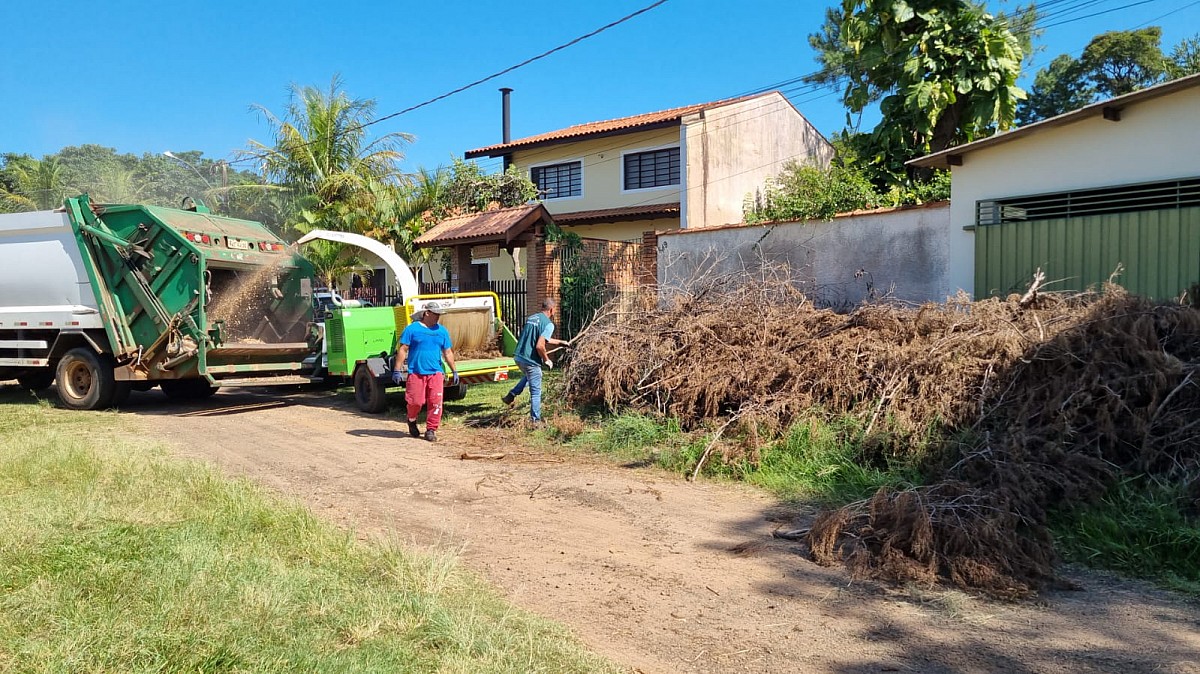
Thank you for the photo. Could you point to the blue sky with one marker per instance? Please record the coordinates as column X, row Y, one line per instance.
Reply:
column 152, row 76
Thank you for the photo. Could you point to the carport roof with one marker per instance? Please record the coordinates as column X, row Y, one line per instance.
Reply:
column 501, row 226
column 1109, row 109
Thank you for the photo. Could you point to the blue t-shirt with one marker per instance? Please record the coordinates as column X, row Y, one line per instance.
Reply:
column 425, row 347
column 537, row 325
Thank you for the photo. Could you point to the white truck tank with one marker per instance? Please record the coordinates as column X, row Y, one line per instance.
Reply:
column 43, row 283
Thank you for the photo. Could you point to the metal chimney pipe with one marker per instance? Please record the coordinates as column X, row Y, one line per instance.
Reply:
column 506, row 114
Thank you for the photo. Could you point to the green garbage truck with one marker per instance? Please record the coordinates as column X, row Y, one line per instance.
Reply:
column 105, row 299
column 102, row 300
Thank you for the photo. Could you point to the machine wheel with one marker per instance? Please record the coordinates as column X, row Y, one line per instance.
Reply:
column 187, row 389
column 85, row 381
column 36, row 380
column 452, row 392
column 369, row 392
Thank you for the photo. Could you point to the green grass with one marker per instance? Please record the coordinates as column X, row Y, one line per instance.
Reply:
column 118, row 558
column 1138, row 528
column 815, row 460
column 824, row 461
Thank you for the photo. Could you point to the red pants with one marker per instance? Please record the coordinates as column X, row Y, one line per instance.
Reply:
column 425, row 388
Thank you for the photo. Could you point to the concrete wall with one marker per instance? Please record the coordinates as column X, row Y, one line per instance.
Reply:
column 603, row 184
column 904, row 252
column 732, row 150
column 1155, row 140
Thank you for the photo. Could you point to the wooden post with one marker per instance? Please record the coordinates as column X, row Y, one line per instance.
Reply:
column 460, row 268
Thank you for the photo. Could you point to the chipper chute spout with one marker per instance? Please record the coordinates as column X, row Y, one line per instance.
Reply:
column 404, row 276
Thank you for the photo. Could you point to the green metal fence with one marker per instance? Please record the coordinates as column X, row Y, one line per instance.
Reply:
column 1159, row 249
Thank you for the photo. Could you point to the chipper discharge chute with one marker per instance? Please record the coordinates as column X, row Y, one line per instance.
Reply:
column 105, row 299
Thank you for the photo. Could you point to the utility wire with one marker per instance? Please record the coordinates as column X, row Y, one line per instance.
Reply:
column 493, row 76
column 803, row 93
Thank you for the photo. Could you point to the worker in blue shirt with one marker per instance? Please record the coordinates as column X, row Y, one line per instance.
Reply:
column 531, row 356
column 423, row 345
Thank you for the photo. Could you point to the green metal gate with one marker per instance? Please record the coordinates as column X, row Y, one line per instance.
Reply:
column 1159, row 249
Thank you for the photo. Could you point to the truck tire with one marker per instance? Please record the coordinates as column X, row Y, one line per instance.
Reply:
column 85, row 381
column 37, row 380
column 454, row 391
column 369, row 392
column 187, row 389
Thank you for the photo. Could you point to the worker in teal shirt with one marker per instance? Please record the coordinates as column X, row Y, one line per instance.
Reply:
column 531, row 356
column 423, row 345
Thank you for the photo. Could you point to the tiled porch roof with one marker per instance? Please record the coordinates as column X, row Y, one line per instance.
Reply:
column 499, row 226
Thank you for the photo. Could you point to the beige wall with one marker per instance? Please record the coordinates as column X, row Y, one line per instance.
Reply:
column 1155, row 140
column 501, row 266
column 602, row 170
column 732, row 150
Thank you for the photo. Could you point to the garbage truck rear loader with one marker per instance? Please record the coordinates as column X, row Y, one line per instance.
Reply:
column 106, row 299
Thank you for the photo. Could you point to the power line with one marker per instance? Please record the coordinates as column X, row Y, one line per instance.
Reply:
column 812, row 88
column 1100, row 13
column 493, row 76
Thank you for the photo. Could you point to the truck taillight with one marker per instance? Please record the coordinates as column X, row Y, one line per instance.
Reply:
column 196, row 237
column 269, row 247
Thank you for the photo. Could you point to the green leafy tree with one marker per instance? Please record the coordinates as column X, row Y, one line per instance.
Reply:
column 943, row 72
column 1184, row 58
column 1058, row 88
column 467, row 189
column 1121, row 61
column 1112, row 64
column 321, row 154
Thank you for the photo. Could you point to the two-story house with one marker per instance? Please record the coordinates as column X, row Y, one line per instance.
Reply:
column 686, row 167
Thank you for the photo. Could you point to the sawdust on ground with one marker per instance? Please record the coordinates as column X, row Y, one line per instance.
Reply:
column 656, row 573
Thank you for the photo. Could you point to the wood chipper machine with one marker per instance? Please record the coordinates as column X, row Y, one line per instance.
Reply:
column 107, row 299
column 359, row 343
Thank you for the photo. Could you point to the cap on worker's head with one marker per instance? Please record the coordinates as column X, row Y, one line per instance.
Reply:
column 435, row 308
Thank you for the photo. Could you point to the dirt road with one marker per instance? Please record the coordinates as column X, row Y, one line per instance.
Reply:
column 643, row 566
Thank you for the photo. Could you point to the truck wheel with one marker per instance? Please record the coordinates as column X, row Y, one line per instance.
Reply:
column 85, row 380
column 453, row 392
column 369, row 392
column 187, row 389
column 37, row 380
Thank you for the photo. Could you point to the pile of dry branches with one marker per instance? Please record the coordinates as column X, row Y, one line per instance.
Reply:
column 1038, row 400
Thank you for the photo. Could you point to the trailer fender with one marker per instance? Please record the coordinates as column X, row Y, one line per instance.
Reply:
column 378, row 366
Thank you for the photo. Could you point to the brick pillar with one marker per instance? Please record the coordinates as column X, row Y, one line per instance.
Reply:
column 460, row 267
column 543, row 277
column 648, row 264
column 533, row 275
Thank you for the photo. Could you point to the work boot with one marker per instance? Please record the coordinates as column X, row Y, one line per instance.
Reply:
column 507, row 398
column 430, row 435
column 413, row 430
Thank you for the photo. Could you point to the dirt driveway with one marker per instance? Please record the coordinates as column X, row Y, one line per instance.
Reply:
column 658, row 574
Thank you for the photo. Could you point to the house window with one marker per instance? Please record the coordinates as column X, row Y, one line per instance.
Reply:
column 558, row 181
column 656, row 168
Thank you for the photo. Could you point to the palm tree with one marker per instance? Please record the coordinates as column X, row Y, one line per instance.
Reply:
column 36, row 184
column 322, row 155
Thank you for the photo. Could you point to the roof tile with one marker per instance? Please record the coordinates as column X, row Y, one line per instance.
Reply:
column 506, row 223
column 607, row 126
